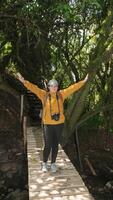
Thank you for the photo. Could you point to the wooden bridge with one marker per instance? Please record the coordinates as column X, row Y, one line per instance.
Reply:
column 65, row 184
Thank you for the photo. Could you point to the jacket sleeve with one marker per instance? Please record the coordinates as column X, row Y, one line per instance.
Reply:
column 35, row 89
column 71, row 89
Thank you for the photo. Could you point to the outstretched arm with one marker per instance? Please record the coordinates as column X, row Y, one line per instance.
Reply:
column 32, row 87
column 74, row 87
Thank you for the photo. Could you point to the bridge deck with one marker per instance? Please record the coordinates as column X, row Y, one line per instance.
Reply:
column 65, row 184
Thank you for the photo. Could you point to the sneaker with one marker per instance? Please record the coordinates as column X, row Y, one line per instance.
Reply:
column 53, row 167
column 44, row 167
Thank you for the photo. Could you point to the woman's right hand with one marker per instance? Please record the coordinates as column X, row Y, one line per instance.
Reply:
column 86, row 78
column 20, row 77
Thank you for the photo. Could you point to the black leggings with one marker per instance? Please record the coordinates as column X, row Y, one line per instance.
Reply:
column 52, row 135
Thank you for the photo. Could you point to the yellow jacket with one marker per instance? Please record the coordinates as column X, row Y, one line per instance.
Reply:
column 42, row 95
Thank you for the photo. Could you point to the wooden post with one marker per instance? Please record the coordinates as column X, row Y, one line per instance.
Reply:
column 25, row 132
column 78, row 149
column 21, row 107
column 23, row 121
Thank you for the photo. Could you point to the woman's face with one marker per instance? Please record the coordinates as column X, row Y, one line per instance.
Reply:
column 53, row 88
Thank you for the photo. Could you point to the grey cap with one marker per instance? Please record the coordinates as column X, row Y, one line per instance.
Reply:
column 53, row 82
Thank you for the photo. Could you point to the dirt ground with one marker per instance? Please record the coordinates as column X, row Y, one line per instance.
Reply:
column 100, row 183
column 96, row 156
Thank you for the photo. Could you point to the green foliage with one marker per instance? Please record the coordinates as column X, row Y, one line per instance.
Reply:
column 64, row 40
column 6, row 49
column 95, row 122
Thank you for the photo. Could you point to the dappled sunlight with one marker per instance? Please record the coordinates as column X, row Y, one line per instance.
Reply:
column 65, row 184
column 56, row 185
column 33, row 187
column 71, row 193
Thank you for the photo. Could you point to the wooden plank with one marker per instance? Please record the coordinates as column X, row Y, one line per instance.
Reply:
column 65, row 184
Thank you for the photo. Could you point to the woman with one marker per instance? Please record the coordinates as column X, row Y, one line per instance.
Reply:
column 52, row 117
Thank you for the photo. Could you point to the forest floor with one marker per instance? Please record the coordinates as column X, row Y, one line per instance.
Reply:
column 98, row 173
column 96, row 153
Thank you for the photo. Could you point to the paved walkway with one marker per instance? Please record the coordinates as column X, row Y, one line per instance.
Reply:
column 65, row 184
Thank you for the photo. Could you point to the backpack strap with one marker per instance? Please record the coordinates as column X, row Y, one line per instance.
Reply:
column 58, row 95
column 47, row 95
column 45, row 100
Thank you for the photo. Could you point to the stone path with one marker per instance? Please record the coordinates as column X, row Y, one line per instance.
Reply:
column 65, row 184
